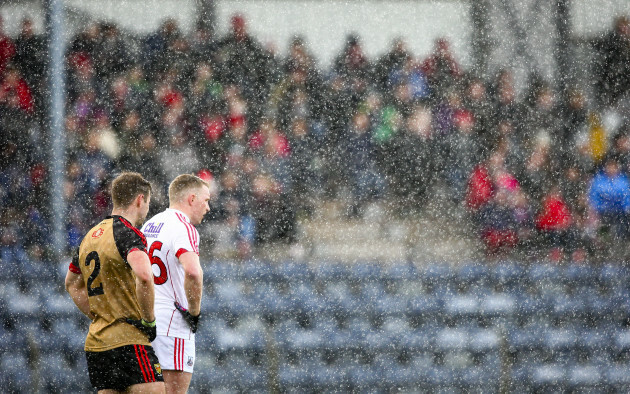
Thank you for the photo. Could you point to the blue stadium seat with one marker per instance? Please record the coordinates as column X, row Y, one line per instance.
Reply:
column 532, row 307
column 584, row 377
column 545, row 277
column 452, row 339
column 245, row 375
column 293, row 272
column 254, row 271
column 271, row 302
column 245, row 336
column 231, row 299
column 365, row 376
column 399, row 272
column 461, row 307
column 339, row 299
column 509, row 276
column 331, row 272
column 213, row 378
column 220, row 271
column 473, row 276
column 497, row 306
column 294, row 376
column 391, row 305
column 484, row 340
column 617, row 377
column 613, row 275
column 327, row 376
column 580, row 275
column 16, row 376
column 567, row 308
column 418, row 340
column 306, row 300
column 560, row 343
column 426, row 308
column 301, row 339
column 548, row 377
column 59, row 305
column 58, row 376
column 363, row 272
column 438, row 278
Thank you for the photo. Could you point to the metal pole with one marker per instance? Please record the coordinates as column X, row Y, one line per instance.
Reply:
column 480, row 36
column 207, row 15
column 562, row 46
column 57, row 80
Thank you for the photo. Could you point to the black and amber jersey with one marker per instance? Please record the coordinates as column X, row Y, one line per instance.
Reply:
column 111, row 284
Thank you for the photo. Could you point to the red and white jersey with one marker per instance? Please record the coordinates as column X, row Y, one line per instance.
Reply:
column 169, row 234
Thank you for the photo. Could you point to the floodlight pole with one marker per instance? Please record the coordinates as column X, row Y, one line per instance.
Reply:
column 563, row 28
column 207, row 15
column 55, row 28
column 480, row 36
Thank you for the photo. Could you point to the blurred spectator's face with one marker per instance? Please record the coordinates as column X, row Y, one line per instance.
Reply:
column 229, row 181
column 612, row 168
column 577, row 100
column 299, row 127
column 132, row 121
column 623, row 27
column 572, row 174
column 403, row 93
column 147, row 142
column 505, row 128
column 27, row 27
column 238, row 27
column 360, row 123
column 477, row 90
column 623, row 144
column 204, row 72
column 546, row 99
column 420, row 122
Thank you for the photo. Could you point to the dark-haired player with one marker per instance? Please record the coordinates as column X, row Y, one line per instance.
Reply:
column 110, row 281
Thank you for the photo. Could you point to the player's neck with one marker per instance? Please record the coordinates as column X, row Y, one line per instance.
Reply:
column 129, row 214
column 181, row 208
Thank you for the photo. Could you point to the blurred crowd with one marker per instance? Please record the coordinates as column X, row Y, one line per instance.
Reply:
column 275, row 134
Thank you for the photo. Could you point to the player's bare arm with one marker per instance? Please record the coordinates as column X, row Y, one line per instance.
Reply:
column 193, row 281
column 141, row 266
column 75, row 286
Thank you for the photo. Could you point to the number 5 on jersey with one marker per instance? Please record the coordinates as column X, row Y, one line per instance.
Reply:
column 155, row 260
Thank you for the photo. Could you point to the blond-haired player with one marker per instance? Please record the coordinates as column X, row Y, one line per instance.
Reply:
column 174, row 252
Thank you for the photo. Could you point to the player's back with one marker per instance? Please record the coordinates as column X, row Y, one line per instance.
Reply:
column 110, row 282
column 170, row 234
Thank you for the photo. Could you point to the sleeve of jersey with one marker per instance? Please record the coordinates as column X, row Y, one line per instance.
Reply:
column 185, row 239
column 128, row 238
column 74, row 264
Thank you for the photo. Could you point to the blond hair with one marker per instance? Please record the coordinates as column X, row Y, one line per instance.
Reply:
column 182, row 184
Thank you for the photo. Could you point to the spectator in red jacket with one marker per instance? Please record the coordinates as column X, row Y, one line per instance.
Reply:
column 7, row 48
column 554, row 221
column 14, row 91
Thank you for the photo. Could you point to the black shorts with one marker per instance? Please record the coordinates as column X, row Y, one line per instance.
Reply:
column 123, row 366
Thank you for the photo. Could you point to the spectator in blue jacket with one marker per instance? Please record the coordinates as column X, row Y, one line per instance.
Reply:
column 609, row 196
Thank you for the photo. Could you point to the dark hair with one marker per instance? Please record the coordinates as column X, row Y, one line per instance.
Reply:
column 127, row 186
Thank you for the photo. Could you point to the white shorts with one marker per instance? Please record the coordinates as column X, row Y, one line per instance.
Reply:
column 175, row 354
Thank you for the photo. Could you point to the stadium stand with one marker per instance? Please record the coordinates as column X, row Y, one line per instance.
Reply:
column 331, row 327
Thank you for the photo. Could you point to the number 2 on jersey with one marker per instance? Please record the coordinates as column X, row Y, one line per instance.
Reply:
column 94, row 291
column 163, row 277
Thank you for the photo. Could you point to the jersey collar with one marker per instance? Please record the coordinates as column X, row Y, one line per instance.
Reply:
column 180, row 212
